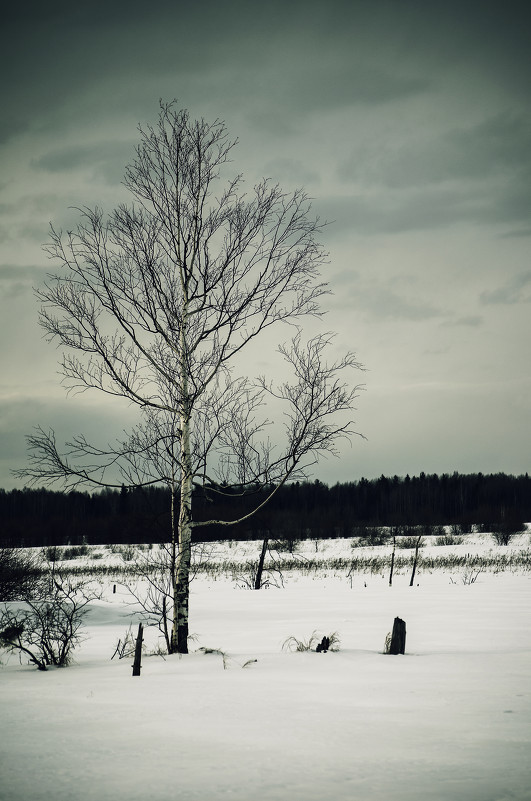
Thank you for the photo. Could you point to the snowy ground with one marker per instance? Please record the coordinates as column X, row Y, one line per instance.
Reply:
column 450, row 720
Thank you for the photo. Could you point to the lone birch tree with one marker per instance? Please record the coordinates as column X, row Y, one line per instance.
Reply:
column 155, row 303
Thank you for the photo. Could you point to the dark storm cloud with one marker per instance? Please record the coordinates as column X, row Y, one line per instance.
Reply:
column 287, row 58
column 62, row 55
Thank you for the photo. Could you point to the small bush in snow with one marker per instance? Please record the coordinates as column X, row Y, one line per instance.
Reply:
column 75, row 551
column 125, row 647
column 128, row 552
column 409, row 542
column 53, row 553
column 505, row 531
column 311, row 643
column 370, row 536
column 287, row 545
column 449, row 539
column 19, row 575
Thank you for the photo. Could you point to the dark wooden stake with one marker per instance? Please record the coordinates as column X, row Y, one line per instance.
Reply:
column 398, row 637
column 138, row 651
column 260, row 568
column 415, row 560
column 392, row 560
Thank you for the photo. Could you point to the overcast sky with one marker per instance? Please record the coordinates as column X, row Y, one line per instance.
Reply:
column 409, row 123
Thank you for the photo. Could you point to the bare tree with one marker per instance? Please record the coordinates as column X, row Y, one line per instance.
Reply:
column 155, row 303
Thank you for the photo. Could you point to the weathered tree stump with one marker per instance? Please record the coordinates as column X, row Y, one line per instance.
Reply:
column 138, row 651
column 398, row 637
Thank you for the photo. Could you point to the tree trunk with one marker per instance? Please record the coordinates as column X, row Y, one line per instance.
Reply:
column 181, row 591
column 167, row 639
column 260, row 568
column 181, row 588
column 179, row 635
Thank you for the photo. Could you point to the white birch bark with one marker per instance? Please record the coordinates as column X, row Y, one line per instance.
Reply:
column 181, row 588
column 184, row 552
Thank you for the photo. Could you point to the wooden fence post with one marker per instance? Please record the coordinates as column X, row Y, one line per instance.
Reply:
column 260, row 568
column 398, row 637
column 415, row 560
column 138, row 651
column 392, row 559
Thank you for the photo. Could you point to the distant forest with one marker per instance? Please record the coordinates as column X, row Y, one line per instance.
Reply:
column 39, row 517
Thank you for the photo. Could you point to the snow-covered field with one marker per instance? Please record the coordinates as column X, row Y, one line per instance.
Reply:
column 449, row 720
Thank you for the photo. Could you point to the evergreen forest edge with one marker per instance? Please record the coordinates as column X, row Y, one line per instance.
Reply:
column 302, row 510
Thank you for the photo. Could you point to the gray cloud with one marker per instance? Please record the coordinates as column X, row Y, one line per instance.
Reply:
column 497, row 145
column 469, row 321
column 16, row 280
column 339, row 84
column 427, row 208
column 372, row 299
column 105, row 160
column 383, row 303
column 479, row 173
column 516, row 290
column 20, row 414
column 517, row 233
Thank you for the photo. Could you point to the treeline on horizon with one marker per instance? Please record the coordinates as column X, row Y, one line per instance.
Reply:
column 301, row 510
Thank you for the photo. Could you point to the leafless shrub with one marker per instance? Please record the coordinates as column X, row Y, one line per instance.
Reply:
column 20, row 576
column 125, row 647
column 407, row 543
column 286, row 545
column 468, row 577
column 246, row 577
column 46, row 630
column 311, row 643
column 449, row 539
column 504, row 532
column 369, row 536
